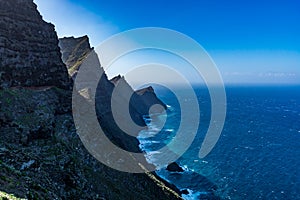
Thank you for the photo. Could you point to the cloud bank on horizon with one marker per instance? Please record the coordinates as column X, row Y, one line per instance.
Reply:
column 250, row 42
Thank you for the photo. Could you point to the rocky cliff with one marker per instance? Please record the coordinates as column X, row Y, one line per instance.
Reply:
column 74, row 51
column 141, row 102
column 41, row 155
column 28, row 47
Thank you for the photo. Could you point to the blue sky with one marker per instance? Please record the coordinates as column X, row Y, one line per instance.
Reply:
column 250, row 41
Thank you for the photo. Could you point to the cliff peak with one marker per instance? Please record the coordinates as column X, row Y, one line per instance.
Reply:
column 144, row 90
column 28, row 47
column 116, row 79
column 74, row 51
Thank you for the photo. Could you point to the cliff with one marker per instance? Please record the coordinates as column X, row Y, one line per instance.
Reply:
column 28, row 47
column 74, row 51
column 41, row 155
column 141, row 100
column 148, row 98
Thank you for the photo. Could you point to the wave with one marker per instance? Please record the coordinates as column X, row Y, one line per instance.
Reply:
column 191, row 195
column 195, row 184
column 169, row 130
column 187, row 180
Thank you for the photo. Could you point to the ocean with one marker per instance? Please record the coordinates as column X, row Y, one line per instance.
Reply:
column 257, row 155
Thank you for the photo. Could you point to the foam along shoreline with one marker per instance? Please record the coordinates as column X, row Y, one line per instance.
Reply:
column 197, row 186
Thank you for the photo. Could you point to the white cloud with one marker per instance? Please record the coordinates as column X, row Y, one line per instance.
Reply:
column 258, row 66
column 277, row 74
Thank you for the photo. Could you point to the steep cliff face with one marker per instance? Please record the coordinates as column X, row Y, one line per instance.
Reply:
column 148, row 98
column 28, row 47
column 142, row 101
column 41, row 155
column 74, row 51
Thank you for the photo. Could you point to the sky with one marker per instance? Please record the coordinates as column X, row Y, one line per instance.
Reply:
column 251, row 42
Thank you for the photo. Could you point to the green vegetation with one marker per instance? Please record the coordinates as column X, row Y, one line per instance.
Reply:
column 5, row 196
column 77, row 64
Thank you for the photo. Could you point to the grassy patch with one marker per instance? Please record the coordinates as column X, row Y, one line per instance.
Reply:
column 5, row 196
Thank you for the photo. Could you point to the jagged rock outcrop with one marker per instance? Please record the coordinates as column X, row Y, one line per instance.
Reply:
column 105, row 96
column 28, row 47
column 41, row 155
column 141, row 101
column 116, row 79
column 148, row 98
column 74, row 51
column 174, row 167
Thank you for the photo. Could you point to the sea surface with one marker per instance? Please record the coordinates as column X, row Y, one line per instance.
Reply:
column 257, row 155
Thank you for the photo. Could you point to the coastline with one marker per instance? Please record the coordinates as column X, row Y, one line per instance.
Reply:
column 187, row 192
column 42, row 155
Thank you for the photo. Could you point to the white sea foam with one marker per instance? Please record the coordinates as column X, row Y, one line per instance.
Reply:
column 150, row 157
column 192, row 195
column 148, row 134
column 149, row 142
column 169, row 130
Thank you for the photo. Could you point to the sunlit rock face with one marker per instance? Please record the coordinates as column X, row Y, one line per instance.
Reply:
column 74, row 51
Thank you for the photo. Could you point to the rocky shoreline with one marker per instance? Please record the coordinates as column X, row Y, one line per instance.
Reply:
column 41, row 155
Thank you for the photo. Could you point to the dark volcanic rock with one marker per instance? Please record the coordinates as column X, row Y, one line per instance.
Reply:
column 127, row 97
column 174, row 167
column 145, row 99
column 28, row 47
column 115, row 79
column 75, row 52
column 104, row 99
column 41, row 154
column 33, row 111
column 52, row 163
column 185, row 191
column 141, row 101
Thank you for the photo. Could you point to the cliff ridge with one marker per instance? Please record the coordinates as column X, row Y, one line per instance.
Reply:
column 41, row 154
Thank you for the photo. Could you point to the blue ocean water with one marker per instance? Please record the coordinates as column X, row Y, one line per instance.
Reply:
column 258, row 153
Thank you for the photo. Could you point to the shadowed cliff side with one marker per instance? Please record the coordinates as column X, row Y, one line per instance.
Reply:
column 141, row 100
column 75, row 51
column 41, row 155
column 28, row 47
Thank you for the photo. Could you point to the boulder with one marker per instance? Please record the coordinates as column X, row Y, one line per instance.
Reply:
column 174, row 167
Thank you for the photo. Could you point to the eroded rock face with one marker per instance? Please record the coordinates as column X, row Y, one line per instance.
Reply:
column 74, row 51
column 42, row 156
column 148, row 98
column 31, row 113
column 77, row 52
column 174, row 167
column 28, row 48
column 142, row 100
